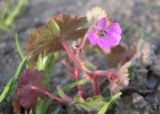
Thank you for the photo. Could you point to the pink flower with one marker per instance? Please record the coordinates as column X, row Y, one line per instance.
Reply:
column 105, row 35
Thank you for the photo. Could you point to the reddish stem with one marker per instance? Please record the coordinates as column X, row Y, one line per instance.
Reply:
column 95, row 85
column 100, row 73
column 75, row 73
column 69, row 68
column 84, row 40
column 93, row 75
column 80, row 87
column 66, row 47
column 66, row 101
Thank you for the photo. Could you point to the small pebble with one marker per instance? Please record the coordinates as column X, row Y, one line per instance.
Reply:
column 152, row 80
column 39, row 24
column 138, row 101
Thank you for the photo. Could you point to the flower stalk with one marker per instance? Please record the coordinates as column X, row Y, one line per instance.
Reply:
column 47, row 93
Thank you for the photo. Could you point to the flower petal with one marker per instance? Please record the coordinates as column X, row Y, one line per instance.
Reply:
column 115, row 27
column 104, row 43
column 92, row 36
column 110, row 41
column 102, row 23
column 115, row 39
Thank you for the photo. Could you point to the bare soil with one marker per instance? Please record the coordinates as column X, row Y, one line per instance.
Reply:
column 139, row 19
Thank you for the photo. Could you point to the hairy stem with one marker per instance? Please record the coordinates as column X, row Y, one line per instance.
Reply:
column 68, row 67
column 84, row 40
column 75, row 74
column 95, row 85
column 80, row 87
column 47, row 93
column 66, row 47
column 92, row 75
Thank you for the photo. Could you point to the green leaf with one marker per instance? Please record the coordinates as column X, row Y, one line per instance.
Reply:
column 3, row 27
column 88, row 66
column 55, row 28
column 90, row 104
column 50, row 63
column 130, row 70
column 43, row 40
column 19, row 49
column 30, row 112
column 43, row 106
column 18, row 11
column 70, row 86
column 12, row 82
column 46, row 38
column 61, row 93
column 75, row 83
column 8, row 14
column 108, row 104
column 55, row 112
column 7, row 8
column 47, row 63
column 40, row 65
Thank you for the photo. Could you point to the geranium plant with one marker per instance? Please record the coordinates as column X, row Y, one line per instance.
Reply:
column 65, row 39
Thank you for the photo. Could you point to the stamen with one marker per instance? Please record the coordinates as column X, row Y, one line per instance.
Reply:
column 101, row 33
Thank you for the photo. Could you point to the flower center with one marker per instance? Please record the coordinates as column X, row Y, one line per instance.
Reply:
column 101, row 33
